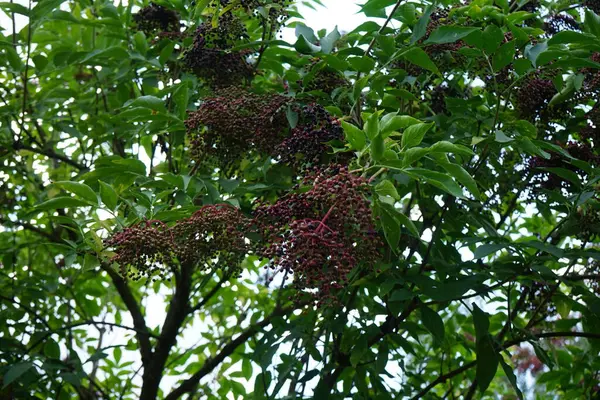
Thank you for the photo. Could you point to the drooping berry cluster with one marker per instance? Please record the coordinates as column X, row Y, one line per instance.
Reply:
column 214, row 234
column 550, row 181
column 534, row 95
column 325, row 79
column 211, row 57
column 321, row 234
column 307, row 143
column 593, row 5
column 539, row 299
column 561, row 22
column 591, row 83
column 591, row 133
column 594, row 282
column 143, row 249
column 156, row 18
column 437, row 51
column 588, row 220
column 235, row 122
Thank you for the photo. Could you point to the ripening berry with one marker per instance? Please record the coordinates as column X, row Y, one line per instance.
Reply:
column 321, row 234
column 156, row 18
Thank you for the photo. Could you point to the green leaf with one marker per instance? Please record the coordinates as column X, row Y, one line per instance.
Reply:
column 9, row 8
column 377, row 147
column 387, row 44
column 592, row 22
column 308, row 33
column 504, row 56
column 542, row 355
column 414, row 134
column 150, row 102
column 91, row 262
column 166, row 52
column 391, row 226
column 52, row 349
column 13, row 59
column 571, row 37
column 449, row 34
column 181, row 97
column 382, row 357
column 372, row 126
column 328, row 42
column 355, row 136
column 387, row 188
column 434, row 324
column 407, row 222
column 462, row 176
column 502, row 138
column 511, row 377
column 362, row 64
column 303, row 46
column 412, row 155
column 486, row 249
column 61, row 202
column 108, row 195
column 420, row 27
column 393, row 122
column 447, row 147
column 481, row 321
column 118, row 353
column 292, row 117
column 487, row 357
column 15, row 372
column 247, row 368
column 141, row 44
column 78, row 189
column 419, row 57
column 438, row 180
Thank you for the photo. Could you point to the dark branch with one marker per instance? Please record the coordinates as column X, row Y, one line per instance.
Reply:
column 452, row 374
column 139, row 323
column 51, row 154
column 30, row 227
column 176, row 314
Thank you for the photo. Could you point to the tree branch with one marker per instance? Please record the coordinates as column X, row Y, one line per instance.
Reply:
column 452, row 374
column 189, row 385
column 30, row 227
column 51, row 154
column 139, row 323
column 178, row 310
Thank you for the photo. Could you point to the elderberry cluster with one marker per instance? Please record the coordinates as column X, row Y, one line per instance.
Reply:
column 539, row 297
column 143, row 249
column 591, row 132
column 236, row 121
column 561, row 22
column 593, row 5
column 547, row 180
column 325, row 79
column 591, row 82
column 211, row 56
column 321, row 234
column 437, row 51
column 588, row 220
column 215, row 233
column 594, row 283
column 307, row 143
column 156, row 18
column 534, row 95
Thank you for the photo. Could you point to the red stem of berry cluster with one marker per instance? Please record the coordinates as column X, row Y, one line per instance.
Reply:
column 322, row 222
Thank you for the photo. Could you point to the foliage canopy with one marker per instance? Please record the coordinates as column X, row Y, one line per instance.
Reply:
column 192, row 207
